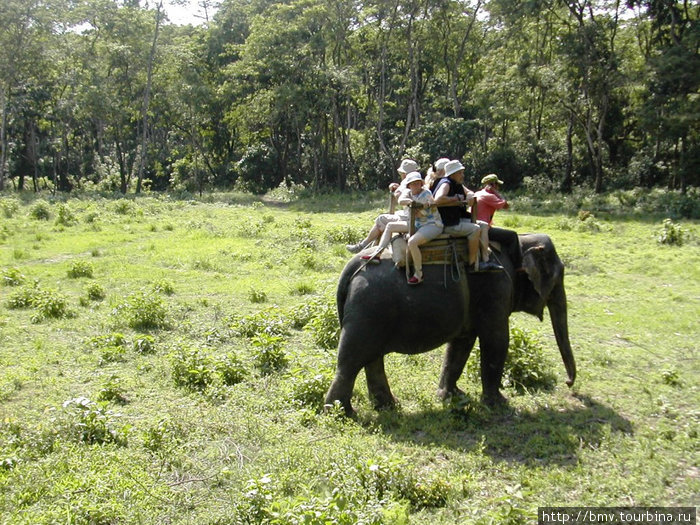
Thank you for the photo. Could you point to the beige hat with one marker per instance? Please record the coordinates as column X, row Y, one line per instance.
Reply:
column 440, row 163
column 412, row 177
column 453, row 166
column 491, row 178
column 407, row 166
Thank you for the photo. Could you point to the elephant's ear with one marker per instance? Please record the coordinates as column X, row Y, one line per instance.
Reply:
column 543, row 268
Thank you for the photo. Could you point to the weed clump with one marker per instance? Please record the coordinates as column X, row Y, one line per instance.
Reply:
column 95, row 292
column 309, row 392
column 269, row 356
column 64, row 216
column 80, row 269
column 144, row 344
column 671, row 234
column 164, row 287
column 12, row 277
column 90, row 422
column 142, row 310
column 324, row 326
column 257, row 296
column 41, row 211
column 112, row 391
column 48, row 304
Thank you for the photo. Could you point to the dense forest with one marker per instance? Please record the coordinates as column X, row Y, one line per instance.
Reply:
column 331, row 94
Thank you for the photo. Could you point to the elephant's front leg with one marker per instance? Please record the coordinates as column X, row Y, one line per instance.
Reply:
column 453, row 365
column 378, row 385
column 493, row 343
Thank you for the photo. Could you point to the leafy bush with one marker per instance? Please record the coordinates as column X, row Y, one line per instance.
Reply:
column 41, row 211
column 144, row 344
column 49, row 304
column 142, row 310
column 80, row 269
column 23, row 298
column 164, row 286
column 230, row 369
column 526, row 368
column 95, row 292
column 103, row 341
column 257, row 296
column 64, row 216
column 12, row 277
column 345, row 234
column 9, row 207
column 192, row 368
column 163, row 438
column 268, row 321
column 325, row 327
column 92, row 423
column 671, row 234
column 310, row 391
column 302, row 289
column 113, row 391
column 269, row 353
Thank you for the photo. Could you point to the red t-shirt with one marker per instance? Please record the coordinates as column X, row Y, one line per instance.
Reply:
column 488, row 201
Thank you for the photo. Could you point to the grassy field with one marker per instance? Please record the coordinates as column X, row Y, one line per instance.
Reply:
column 164, row 361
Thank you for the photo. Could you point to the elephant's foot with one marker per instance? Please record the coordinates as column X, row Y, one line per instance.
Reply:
column 385, row 402
column 444, row 394
column 330, row 407
column 494, row 399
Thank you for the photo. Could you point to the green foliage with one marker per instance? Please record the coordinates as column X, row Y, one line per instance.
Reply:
column 41, row 211
column 12, row 277
column 91, row 423
column 9, row 207
column 49, row 304
column 95, row 292
column 192, row 368
column 325, row 327
column 309, row 390
column 268, row 322
column 164, row 287
column 113, row 391
column 64, row 216
column 80, row 269
column 141, row 310
column 144, row 344
column 269, row 355
column 672, row 234
column 257, row 296
column 230, row 368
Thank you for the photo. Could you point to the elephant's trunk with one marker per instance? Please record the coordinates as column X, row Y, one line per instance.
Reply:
column 558, row 314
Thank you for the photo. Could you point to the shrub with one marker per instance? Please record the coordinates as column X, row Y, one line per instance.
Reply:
column 113, row 391
column 164, row 286
column 345, row 234
column 64, row 216
column 325, row 327
column 80, row 269
column 41, row 211
column 95, row 292
column 23, row 298
column 257, row 296
column 268, row 321
column 192, row 368
column 142, row 310
column 163, row 437
column 269, row 353
column 92, row 423
column 103, row 341
column 9, row 207
column 12, row 277
column 144, row 344
column 123, row 207
column 309, row 391
column 671, row 234
column 302, row 289
column 49, row 304
column 230, row 369
column 526, row 367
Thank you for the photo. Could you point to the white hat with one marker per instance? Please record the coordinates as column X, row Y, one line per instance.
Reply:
column 440, row 163
column 407, row 166
column 412, row 177
column 453, row 166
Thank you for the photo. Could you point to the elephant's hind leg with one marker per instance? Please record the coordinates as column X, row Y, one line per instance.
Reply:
column 378, row 385
column 453, row 365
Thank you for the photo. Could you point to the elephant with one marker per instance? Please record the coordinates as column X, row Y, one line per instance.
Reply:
column 379, row 313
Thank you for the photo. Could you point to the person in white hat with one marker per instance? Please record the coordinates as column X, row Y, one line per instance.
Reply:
column 428, row 224
column 452, row 197
column 380, row 223
column 489, row 200
column 435, row 173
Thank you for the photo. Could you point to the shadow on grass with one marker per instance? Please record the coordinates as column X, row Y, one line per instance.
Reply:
column 541, row 436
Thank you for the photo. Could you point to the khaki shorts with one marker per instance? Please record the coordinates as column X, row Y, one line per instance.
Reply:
column 465, row 228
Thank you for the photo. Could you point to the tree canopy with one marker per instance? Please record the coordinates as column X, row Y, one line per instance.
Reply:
column 333, row 93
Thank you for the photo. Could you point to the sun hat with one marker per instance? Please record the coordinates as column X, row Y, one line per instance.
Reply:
column 412, row 177
column 407, row 166
column 440, row 163
column 491, row 178
column 453, row 166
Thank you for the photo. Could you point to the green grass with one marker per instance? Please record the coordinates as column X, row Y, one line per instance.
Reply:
column 182, row 381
